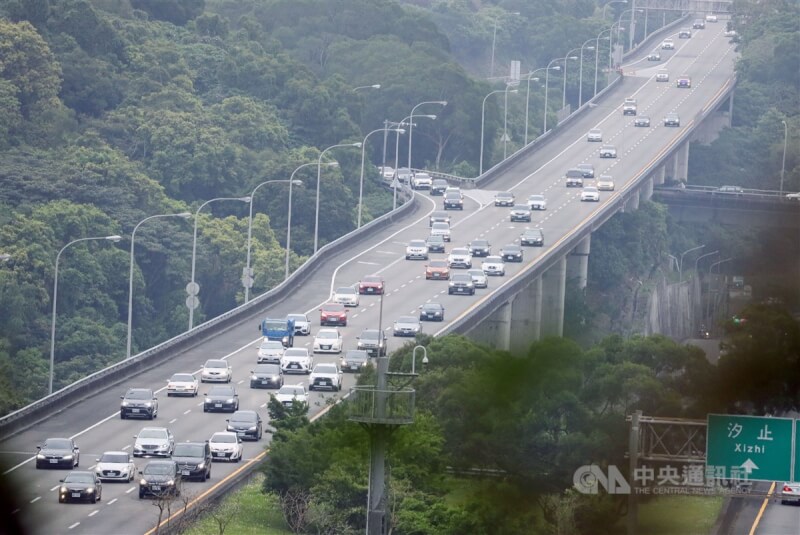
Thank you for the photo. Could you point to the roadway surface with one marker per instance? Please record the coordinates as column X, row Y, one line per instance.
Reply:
column 707, row 57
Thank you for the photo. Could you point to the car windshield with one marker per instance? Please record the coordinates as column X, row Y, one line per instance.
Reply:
column 369, row 334
column 590, row 190
column 435, row 239
column 462, row 277
column 216, row 364
column 594, row 131
column 505, row 195
column 153, row 433
column 521, row 207
column 416, row 243
column 479, row 243
column 221, row 391
column 159, row 469
column 119, row 458
column 476, row 272
column 139, row 394
column 78, row 477
column 188, row 450
column 356, row 355
column 438, row 263
column 225, row 438
column 328, row 335
column 296, row 352
column 536, row 198
column 452, row 195
column 332, row 307
column 325, row 368
column 346, row 290
column 267, row 368
column 272, row 344
column 243, row 417
column 406, row 319
column 291, row 390
column 441, row 226
column 460, row 251
column 276, row 325
column 182, row 378
column 585, row 166
column 494, row 260
column 57, row 444
column 371, row 279
column 296, row 318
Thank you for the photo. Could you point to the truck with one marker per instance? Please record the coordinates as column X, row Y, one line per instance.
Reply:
column 629, row 106
column 281, row 330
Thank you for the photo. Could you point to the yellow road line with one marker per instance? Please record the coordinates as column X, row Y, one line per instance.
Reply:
column 761, row 511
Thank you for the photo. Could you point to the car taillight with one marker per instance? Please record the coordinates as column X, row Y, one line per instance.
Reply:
column 787, row 488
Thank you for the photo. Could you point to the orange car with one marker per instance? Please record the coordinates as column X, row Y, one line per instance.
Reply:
column 437, row 270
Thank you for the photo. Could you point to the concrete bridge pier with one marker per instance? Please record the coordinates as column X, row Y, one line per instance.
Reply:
column 681, row 159
column 631, row 202
column 553, row 287
column 526, row 317
column 660, row 175
column 495, row 330
column 646, row 190
column 578, row 262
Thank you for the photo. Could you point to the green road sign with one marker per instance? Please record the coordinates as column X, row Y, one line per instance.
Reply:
column 750, row 447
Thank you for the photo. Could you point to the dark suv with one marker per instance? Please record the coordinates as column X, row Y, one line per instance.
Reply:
column 159, row 479
column 194, row 460
column 138, row 403
column 371, row 341
column 438, row 186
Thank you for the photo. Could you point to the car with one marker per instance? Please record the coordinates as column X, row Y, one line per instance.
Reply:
column 160, row 479
column 459, row 258
column 138, row 403
column 685, row 33
column 115, row 466
column 438, row 216
column 574, row 178
column 654, row 56
column 153, row 442
column 461, row 283
column 417, row 250
column 297, row 360
column 594, row 135
column 699, row 24
column 354, row 360
column 182, row 384
column 217, row 371
column 406, row 326
column 435, row 244
column 325, row 375
column 629, row 106
column 793, row 196
column 246, row 425
column 672, row 119
column 537, row 202
column 730, row 33
column 684, row 82
column 421, row 180
column 431, row 312
column 504, row 198
column 479, row 278
column 667, row 44
column 454, row 189
column 605, row 183
column 302, row 325
column 790, row 493
column 221, row 398
column 480, row 248
column 226, row 446
column 520, row 212
column 347, row 296
column 266, row 376
column 437, row 270
column 729, row 190
column 608, row 151
column 453, row 200
column 586, row 169
column 387, row 173
column 194, row 460
column 590, row 194
column 371, row 285
column 494, row 266
column 328, row 341
column 288, row 394
column 80, row 486
column 438, row 186
column 511, row 253
column 662, row 76
column 403, row 175
column 532, row 236
column 373, row 342
column 642, row 121
column 58, row 453
column 270, row 352
column 711, row 18
column 333, row 314
column 441, row 229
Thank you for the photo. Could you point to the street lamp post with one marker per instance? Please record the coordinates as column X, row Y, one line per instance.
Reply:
column 414, row 358
column 505, row 118
column 710, row 315
column 680, row 264
column 113, row 238
column 783, row 165
column 580, row 72
column 494, row 40
column 528, row 98
column 564, row 91
column 697, row 260
column 192, row 288
column 597, row 56
column 483, row 117
column 411, row 125
column 184, row 215
column 289, row 217
column 363, row 159
column 319, row 178
column 612, row 2
column 546, row 82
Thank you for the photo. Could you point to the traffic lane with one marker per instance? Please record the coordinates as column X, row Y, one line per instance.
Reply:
column 779, row 519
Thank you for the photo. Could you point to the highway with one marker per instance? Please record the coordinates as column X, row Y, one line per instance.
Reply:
column 707, row 57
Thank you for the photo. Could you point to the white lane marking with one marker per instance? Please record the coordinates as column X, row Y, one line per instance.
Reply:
column 387, row 252
column 173, row 420
column 36, row 499
column 112, row 501
column 126, row 447
column 91, row 467
column 262, row 405
column 75, row 525
column 130, row 490
column 369, row 263
column 54, row 488
column 94, row 512
column 240, row 382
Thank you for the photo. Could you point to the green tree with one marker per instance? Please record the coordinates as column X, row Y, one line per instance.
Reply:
column 175, row 11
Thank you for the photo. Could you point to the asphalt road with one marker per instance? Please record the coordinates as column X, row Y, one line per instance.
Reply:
column 95, row 423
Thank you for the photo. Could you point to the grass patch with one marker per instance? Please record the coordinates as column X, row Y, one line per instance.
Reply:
column 668, row 515
column 250, row 512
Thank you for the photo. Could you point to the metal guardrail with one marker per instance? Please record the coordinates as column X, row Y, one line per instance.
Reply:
column 690, row 189
column 366, row 405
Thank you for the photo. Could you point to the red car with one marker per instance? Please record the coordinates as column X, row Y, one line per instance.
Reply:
column 333, row 314
column 371, row 284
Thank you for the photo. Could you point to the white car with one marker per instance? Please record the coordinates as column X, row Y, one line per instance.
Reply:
column 297, row 360
column 302, row 325
column 790, row 493
column 417, row 249
column 325, row 375
column 454, row 189
column 421, row 180
column 667, row 44
column 711, row 18
column 594, row 134
column 347, row 296
column 459, row 258
column 793, row 196
column 605, row 183
column 153, row 442
column 537, row 202
column 629, row 106
column 591, row 194
column 479, row 278
column 494, row 265
column 441, row 229
column 216, row 371
column 328, row 341
column 662, row 76
column 608, row 151
column 270, row 351
column 289, row 393
column 406, row 326
column 115, row 466
column 182, row 384
column 386, row 172
column 226, row 446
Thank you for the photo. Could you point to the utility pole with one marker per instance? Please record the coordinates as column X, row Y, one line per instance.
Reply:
column 633, row 455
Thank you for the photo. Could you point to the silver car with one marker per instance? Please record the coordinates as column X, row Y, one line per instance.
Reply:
column 153, row 442
column 417, row 250
column 406, row 326
column 115, row 466
column 479, row 278
column 216, row 371
column 441, row 229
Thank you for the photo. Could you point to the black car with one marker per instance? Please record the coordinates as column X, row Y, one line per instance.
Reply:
column 246, row 425
column 354, row 360
column 221, row 398
column 504, row 198
column 532, row 236
column 371, row 341
column 194, row 460
column 438, row 186
column 480, row 248
column 453, row 201
column 266, row 376
column 436, row 244
column 461, row 283
column 431, row 312
column 80, row 486
column 58, row 453
column 438, row 216
column 511, row 253
column 138, row 403
column 160, row 479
